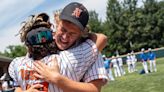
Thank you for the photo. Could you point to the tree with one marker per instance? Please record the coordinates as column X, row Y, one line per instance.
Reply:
column 15, row 51
column 94, row 23
column 131, row 28
column 115, row 27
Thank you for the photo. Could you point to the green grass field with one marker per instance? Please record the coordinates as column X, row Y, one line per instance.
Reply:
column 135, row 82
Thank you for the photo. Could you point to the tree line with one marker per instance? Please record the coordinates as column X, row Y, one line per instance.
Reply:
column 130, row 27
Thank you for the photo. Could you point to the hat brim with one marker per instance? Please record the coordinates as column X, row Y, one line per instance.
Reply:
column 72, row 20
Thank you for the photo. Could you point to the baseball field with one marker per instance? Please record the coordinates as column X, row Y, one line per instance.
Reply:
column 135, row 82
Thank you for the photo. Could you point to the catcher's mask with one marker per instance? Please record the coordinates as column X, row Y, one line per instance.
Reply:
column 40, row 41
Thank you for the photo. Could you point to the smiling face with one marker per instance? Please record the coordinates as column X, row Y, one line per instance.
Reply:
column 67, row 34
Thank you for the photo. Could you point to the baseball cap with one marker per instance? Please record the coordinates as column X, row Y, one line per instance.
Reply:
column 103, row 56
column 142, row 49
column 149, row 49
column 75, row 13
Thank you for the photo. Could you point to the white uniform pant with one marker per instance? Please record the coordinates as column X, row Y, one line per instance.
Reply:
column 110, row 74
column 145, row 66
column 134, row 66
column 122, row 69
column 116, row 71
column 130, row 68
column 152, row 65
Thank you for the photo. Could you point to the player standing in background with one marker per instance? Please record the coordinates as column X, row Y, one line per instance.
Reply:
column 134, row 60
column 152, row 60
column 115, row 66
column 144, row 58
column 120, row 65
column 108, row 67
column 129, row 63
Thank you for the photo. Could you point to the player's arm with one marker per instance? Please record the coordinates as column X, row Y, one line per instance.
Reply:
column 52, row 75
column 93, row 82
column 64, row 83
column 111, row 64
column 18, row 89
column 100, row 40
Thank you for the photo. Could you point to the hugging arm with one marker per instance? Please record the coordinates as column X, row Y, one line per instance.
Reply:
column 99, row 39
column 52, row 75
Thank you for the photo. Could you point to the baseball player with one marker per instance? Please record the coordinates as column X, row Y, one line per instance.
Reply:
column 129, row 63
column 116, row 67
column 66, row 36
column 108, row 67
column 21, row 69
column 134, row 60
column 144, row 58
column 79, row 63
column 152, row 60
column 120, row 65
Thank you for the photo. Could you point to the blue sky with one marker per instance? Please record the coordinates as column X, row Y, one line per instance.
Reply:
column 13, row 12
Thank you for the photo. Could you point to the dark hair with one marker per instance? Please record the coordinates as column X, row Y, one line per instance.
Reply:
column 35, row 21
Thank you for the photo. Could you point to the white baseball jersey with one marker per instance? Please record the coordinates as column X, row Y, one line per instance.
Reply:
column 120, row 61
column 128, row 60
column 82, row 63
column 114, row 61
column 133, row 58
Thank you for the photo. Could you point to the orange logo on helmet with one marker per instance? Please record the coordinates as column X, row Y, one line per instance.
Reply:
column 77, row 12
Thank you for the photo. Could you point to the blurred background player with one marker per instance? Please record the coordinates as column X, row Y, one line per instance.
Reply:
column 133, row 60
column 120, row 65
column 108, row 67
column 129, row 63
column 152, row 60
column 144, row 58
column 115, row 66
column 6, row 83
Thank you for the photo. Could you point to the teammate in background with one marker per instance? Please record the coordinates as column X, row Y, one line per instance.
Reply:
column 108, row 67
column 144, row 58
column 120, row 65
column 6, row 83
column 134, row 60
column 129, row 63
column 115, row 66
column 152, row 60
